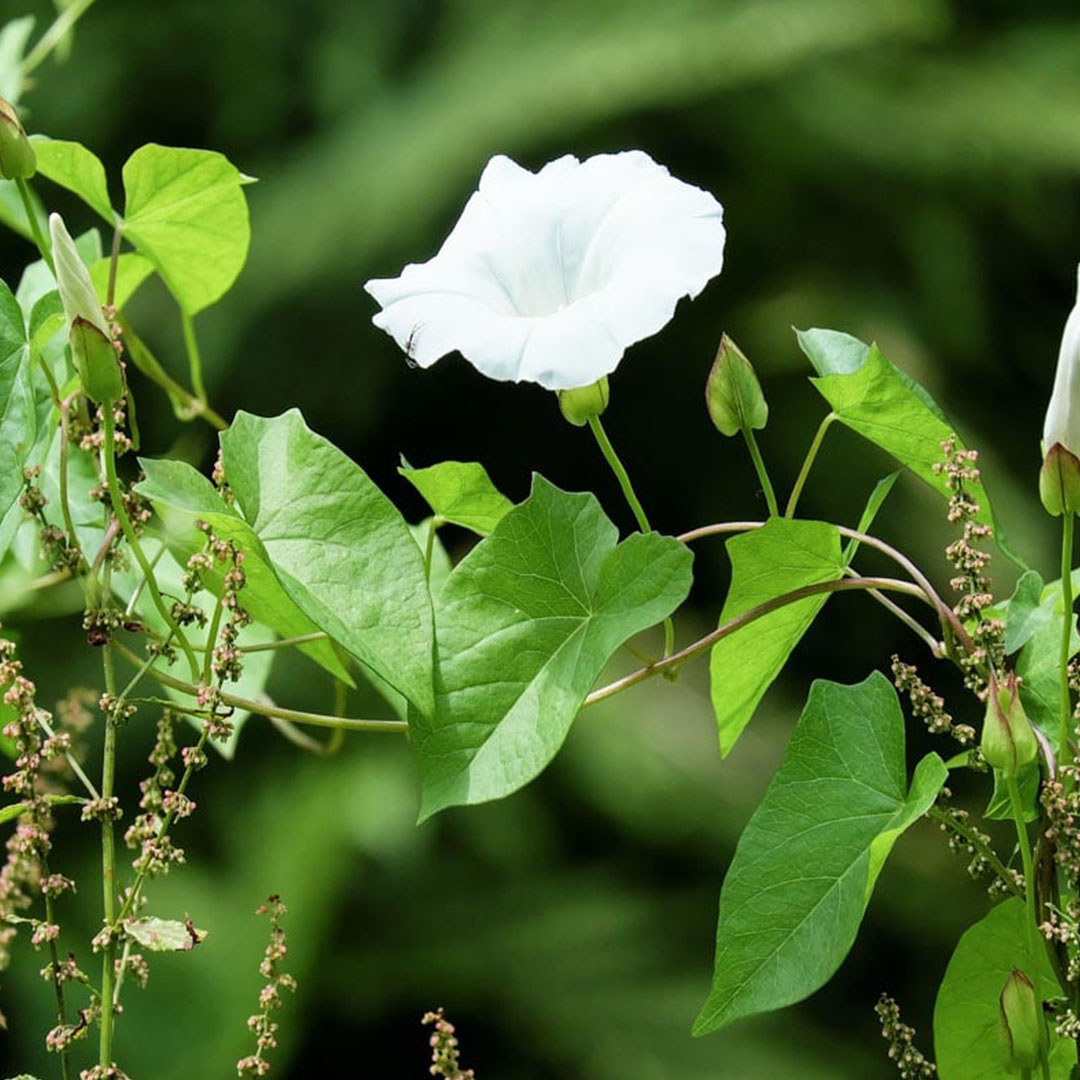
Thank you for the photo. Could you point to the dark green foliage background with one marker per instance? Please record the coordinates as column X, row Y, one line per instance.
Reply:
column 905, row 170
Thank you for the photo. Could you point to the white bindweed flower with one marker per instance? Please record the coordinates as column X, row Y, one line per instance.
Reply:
column 549, row 277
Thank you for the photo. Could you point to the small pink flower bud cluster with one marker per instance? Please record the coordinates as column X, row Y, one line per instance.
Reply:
column 910, row 1062
column 927, row 705
column 270, row 1000
column 63, row 1035
column 1061, row 801
column 60, row 550
column 444, row 1048
column 971, row 562
column 967, row 840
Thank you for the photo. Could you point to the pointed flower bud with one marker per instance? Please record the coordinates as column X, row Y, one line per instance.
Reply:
column 732, row 392
column 1021, row 1022
column 1008, row 741
column 1059, row 481
column 91, row 341
column 17, row 158
column 580, row 404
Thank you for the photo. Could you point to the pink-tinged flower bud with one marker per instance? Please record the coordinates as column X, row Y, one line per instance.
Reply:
column 1008, row 741
column 580, row 404
column 1059, row 481
column 1021, row 1022
column 733, row 394
column 17, row 158
column 92, row 348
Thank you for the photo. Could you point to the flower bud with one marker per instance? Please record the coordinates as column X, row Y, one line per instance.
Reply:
column 1059, row 481
column 17, row 158
column 95, row 360
column 89, row 335
column 1008, row 741
column 583, row 402
column 1059, row 487
column 732, row 392
column 1021, row 1022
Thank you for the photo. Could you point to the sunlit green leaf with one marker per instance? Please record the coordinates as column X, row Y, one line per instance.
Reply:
column 968, row 1040
column 1025, row 614
column 18, row 421
column 870, row 511
column 460, row 492
column 525, row 624
column 1038, row 663
column 182, row 495
column 808, row 860
column 778, row 558
column 73, row 166
column 885, row 405
column 131, row 271
column 14, row 36
column 185, row 211
column 339, row 547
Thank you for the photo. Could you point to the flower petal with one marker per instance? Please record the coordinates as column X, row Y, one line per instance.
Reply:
column 1062, row 423
column 550, row 276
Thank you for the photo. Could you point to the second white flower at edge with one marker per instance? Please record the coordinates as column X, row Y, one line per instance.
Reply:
column 549, row 277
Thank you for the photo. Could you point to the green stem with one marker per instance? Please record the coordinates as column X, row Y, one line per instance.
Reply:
column 211, row 639
column 762, row 472
column 35, row 228
column 429, row 547
column 808, row 461
column 114, row 262
column 54, row 35
column 971, row 837
column 108, row 870
column 1065, row 755
column 185, row 404
column 65, row 504
column 263, row 708
column 194, row 357
column 58, row 985
column 117, row 499
column 1035, row 938
column 163, row 829
column 623, row 477
column 676, row 660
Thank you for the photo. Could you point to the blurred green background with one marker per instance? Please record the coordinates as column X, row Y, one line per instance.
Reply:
column 905, row 170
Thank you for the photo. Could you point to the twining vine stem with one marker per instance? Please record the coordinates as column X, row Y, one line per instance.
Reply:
column 747, row 617
column 945, row 613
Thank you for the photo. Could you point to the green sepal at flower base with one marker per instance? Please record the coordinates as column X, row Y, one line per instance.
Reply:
column 92, row 348
column 1008, row 739
column 17, row 158
column 582, row 403
column 94, row 355
column 1059, row 481
column 733, row 394
column 1021, row 1023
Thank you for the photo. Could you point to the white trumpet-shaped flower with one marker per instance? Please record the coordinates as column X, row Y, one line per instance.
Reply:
column 549, row 277
column 1062, row 426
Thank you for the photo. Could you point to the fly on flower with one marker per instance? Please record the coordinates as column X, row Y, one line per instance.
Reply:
column 549, row 277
